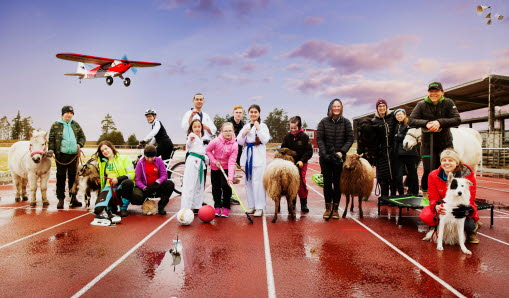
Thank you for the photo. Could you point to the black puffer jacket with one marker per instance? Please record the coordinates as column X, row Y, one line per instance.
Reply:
column 445, row 112
column 385, row 127
column 334, row 136
column 399, row 135
column 300, row 144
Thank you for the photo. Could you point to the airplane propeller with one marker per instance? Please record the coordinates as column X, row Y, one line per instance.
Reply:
column 134, row 70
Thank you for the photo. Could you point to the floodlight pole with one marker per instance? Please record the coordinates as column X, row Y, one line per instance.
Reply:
column 490, row 112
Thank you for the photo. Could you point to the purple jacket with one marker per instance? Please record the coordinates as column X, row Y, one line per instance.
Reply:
column 224, row 151
column 141, row 178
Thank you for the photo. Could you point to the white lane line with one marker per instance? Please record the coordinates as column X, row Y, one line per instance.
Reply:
column 268, row 261
column 42, row 231
column 417, row 264
column 496, row 182
column 117, row 262
column 313, row 170
column 7, row 209
column 490, row 188
column 495, row 239
column 501, row 212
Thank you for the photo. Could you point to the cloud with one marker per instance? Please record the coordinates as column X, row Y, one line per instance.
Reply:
column 177, row 68
column 245, row 7
column 248, row 67
column 256, row 98
column 314, row 20
column 356, row 57
column 194, row 7
column 235, row 79
column 461, row 72
column 426, row 65
column 256, row 51
column 293, row 67
column 221, row 60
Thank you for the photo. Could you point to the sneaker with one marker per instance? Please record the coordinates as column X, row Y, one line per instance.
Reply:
column 250, row 210
column 115, row 219
column 123, row 213
column 225, row 212
column 75, row 203
column 161, row 211
column 33, row 204
column 236, row 181
column 258, row 212
column 234, row 201
column 218, row 212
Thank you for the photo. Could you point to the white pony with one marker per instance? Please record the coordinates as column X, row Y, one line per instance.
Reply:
column 28, row 162
column 466, row 141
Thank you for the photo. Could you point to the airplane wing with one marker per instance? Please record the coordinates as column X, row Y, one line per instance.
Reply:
column 101, row 61
column 84, row 58
column 141, row 63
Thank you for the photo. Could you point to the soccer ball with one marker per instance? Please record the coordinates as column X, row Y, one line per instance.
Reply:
column 185, row 216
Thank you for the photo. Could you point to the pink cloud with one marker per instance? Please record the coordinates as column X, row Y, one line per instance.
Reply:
column 460, row 72
column 293, row 67
column 426, row 65
column 314, row 20
column 221, row 61
column 356, row 57
column 235, row 79
column 194, row 7
column 246, row 7
column 172, row 4
column 248, row 67
column 256, row 51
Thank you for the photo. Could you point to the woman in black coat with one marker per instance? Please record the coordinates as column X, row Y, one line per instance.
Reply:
column 384, row 125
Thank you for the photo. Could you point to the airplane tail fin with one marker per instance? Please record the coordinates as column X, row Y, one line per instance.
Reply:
column 81, row 70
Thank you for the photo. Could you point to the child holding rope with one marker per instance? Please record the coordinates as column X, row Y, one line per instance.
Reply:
column 298, row 141
column 192, row 188
column 254, row 135
column 222, row 153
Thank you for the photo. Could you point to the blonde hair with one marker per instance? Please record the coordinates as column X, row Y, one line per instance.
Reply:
column 226, row 124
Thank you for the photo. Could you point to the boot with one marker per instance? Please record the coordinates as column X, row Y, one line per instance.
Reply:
column 335, row 213
column 328, row 210
column 425, row 194
column 304, row 205
column 74, row 202
column 472, row 237
column 60, row 204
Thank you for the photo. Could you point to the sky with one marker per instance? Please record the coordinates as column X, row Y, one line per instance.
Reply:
column 295, row 55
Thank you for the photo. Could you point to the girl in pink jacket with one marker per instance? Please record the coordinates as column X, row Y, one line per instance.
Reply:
column 222, row 152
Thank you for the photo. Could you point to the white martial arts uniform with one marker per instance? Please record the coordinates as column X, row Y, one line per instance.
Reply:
column 192, row 189
column 205, row 120
column 254, row 186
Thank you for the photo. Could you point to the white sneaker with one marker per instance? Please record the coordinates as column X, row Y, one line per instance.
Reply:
column 250, row 210
column 258, row 212
column 115, row 219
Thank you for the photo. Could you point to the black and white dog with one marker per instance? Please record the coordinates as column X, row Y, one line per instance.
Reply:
column 451, row 226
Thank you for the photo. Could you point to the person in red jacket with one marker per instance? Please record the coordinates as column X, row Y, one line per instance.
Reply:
column 437, row 187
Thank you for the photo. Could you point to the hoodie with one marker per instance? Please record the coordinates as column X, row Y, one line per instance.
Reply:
column 69, row 144
column 224, row 151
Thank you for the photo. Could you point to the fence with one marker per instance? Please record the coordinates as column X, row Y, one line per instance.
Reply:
column 495, row 158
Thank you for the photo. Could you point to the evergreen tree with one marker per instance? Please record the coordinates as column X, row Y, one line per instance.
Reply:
column 108, row 125
column 132, row 141
column 218, row 122
column 16, row 128
column 26, row 128
column 277, row 122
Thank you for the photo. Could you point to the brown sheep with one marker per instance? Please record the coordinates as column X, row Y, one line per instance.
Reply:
column 357, row 179
column 282, row 178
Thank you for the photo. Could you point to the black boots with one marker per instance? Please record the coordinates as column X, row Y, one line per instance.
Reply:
column 74, row 202
column 60, row 204
column 304, row 205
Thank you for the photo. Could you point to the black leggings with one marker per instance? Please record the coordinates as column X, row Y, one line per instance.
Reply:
column 331, row 175
column 221, row 191
column 164, row 191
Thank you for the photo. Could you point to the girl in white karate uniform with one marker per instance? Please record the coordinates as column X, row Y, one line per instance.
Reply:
column 254, row 135
column 192, row 188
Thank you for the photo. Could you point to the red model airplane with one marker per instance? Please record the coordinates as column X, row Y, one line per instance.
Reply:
column 107, row 67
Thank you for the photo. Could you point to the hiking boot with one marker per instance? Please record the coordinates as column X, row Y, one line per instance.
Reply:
column 335, row 213
column 304, row 205
column 472, row 237
column 258, row 213
column 60, row 204
column 328, row 210
column 33, row 204
column 161, row 211
column 45, row 203
column 234, row 201
column 123, row 213
column 218, row 212
column 225, row 212
column 74, row 202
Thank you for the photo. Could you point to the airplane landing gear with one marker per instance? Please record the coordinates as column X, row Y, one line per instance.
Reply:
column 109, row 80
column 127, row 82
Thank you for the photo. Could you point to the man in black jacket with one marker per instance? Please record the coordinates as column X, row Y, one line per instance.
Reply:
column 334, row 136
column 435, row 115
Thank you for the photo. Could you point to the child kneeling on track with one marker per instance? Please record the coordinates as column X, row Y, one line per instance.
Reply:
column 254, row 157
column 192, row 188
column 222, row 153
column 298, row 141
column 152, row 180
column 116, row 173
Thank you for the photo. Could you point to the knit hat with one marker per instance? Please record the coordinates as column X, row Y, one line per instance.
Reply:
column 150, row 151
column 380, row 101
column 451, row 153
column 67, row 109
column 400, row 110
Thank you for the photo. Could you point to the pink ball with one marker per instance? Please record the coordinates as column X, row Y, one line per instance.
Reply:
column 206, row 213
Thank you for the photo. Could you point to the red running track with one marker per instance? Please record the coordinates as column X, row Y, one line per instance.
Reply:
column 57, row 253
